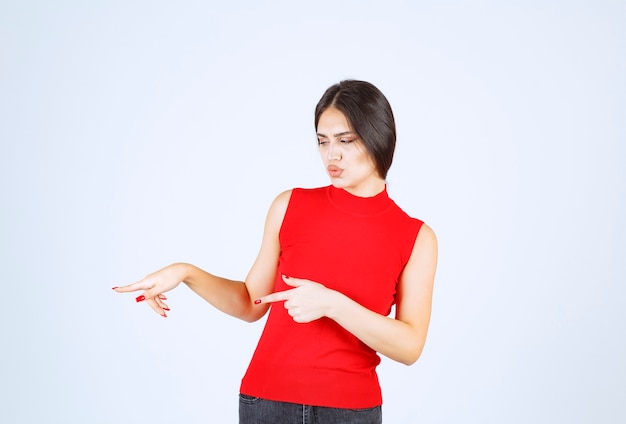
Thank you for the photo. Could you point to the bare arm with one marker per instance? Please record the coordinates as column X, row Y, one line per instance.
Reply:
column 401, row 339
column 229, row 296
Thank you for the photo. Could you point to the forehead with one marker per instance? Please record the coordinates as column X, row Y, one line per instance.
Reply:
column 333, row 121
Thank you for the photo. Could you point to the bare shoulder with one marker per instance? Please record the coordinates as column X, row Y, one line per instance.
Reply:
column 425, row 248
column 283, row 198
column 280, row 203
column 426, row 237
column 277, row 210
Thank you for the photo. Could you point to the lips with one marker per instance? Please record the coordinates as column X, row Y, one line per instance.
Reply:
column 334, row 171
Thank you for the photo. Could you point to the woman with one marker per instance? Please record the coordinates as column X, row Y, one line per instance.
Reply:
column 332, row 262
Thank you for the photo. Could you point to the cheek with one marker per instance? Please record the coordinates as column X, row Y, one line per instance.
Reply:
column 365, row 159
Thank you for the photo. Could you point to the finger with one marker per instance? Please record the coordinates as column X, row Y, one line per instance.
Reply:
column 139, row 285
column 293, row 282
column 147, row 294
column 274, row 297
column 151, row 292
column 153, row 304
column 297, row 316
column 161, row 304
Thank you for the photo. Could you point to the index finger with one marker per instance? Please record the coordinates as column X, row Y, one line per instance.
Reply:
column 140, row 285
column 274, row 297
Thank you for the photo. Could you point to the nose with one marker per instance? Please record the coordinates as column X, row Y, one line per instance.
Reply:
column 333, row 152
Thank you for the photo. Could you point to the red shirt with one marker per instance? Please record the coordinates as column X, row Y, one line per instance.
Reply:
column 357, row 246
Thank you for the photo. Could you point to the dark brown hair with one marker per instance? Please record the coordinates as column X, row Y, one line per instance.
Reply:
column 369, row 113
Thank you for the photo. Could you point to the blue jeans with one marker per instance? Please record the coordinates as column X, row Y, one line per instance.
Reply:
column 253, row 410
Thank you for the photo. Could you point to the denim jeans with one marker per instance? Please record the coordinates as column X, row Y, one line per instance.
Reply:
column 253, row 410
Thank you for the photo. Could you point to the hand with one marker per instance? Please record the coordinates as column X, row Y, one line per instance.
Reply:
column 154, row 285
column 306, row 302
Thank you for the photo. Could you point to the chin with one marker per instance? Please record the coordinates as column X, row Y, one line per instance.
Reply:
column 338, row 184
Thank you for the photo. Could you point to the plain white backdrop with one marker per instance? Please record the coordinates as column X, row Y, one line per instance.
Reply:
column 138, row 133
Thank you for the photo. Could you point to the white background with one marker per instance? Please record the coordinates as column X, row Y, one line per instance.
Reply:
column 138, row 133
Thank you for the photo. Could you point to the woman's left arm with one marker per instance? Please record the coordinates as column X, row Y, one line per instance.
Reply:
column 401, row 339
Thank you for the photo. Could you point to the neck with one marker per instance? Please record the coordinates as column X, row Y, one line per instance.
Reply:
column 369, row 189
column 359, row 205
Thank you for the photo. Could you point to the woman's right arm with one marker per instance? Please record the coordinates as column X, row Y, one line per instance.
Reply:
column 235, row 298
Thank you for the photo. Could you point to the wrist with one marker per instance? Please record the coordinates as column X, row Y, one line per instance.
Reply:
column 183, row 271
column 335, row 305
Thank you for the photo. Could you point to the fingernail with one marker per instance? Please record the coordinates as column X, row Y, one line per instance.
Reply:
column 256, row 302
column 163, row 315
column 166, row 309
column 114, row 288
column 140, row 298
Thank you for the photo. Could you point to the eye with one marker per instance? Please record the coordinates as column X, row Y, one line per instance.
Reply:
column 322, row 141
column 347, row 140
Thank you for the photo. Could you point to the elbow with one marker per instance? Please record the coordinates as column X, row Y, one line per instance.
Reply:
column 413, row 349
column 254, row 313
column 410, row 360
column 411, row 355
column 250, row 318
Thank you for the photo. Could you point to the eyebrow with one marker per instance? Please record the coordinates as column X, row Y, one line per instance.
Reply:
column 341, row 134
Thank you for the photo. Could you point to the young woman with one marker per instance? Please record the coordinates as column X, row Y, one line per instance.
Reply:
column 332, row 262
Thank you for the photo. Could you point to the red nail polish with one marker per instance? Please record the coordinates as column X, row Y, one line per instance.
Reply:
column 166, row 309
column 256, row 302
column 163, row 315
column 140, row 298
column 115, row 288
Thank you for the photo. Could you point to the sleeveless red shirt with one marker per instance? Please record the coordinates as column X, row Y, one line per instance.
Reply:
column 357, row 246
